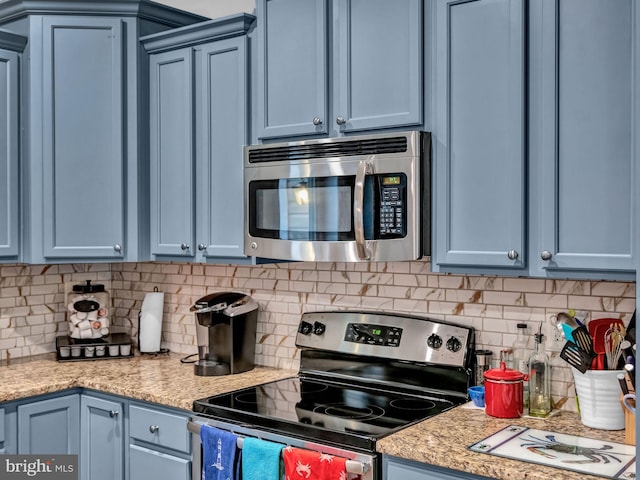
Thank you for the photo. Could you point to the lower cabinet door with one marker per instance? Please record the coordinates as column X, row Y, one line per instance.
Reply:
column 146, row 463
column 102, row 435
column 49, row 426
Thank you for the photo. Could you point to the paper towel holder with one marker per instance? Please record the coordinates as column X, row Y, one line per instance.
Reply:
column 150, row 326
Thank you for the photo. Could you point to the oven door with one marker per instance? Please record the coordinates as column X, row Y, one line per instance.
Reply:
column 355, row 209
column 366, row 465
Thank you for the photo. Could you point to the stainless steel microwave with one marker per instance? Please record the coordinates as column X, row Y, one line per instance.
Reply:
column 361, row 198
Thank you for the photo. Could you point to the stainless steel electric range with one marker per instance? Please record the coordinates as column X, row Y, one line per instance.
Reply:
column 362, row 376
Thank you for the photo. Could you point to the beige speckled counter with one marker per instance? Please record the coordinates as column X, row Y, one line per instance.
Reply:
column 160, row 379
column 443, row 441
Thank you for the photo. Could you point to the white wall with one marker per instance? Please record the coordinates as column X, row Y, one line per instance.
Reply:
column 212, row 8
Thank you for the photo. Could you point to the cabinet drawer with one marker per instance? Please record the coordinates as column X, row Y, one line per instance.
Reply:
column 159, row 428
column 145, row 463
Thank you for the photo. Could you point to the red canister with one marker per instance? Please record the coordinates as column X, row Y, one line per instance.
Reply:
column 503, row 392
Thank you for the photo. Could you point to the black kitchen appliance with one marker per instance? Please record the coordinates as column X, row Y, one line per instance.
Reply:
column 226, row 333
column 362, row 376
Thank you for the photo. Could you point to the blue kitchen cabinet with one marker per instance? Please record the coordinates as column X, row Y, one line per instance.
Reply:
column 338, row 66
column 400, row 469
column 85, row 152
column 11, row 47
column 292, row 76
column 561, row 207
column 479, row 135
column 584, row 128
column 199, row 125
column 49, row 426
column 102, row 436
column 172, row 165
column 159, row 443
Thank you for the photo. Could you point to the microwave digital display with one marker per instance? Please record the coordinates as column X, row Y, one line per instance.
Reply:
column 394, row 180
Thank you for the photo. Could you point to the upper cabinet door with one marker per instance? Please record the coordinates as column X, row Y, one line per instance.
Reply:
column 479, row 141
column 221, row 110
column 292, row 67
column 172, row 153
column 9, row 154
column 377, row 61
column 82, row 144
column 583, row 131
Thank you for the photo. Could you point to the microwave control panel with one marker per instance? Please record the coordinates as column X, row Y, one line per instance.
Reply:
column 392, row 189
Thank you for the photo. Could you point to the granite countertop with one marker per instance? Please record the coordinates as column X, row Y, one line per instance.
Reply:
column 443, row 440
column 160, row 379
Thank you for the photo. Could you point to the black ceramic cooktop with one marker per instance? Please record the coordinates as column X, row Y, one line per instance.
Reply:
column 349, row 415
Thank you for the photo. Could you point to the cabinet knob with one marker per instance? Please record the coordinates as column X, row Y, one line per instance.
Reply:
column 154, row 428
column 117, row 248
column 546, row 255
column 113, row 413
column 317, row 121
column 184, row 247
column 202, row 247
column 340, row 120
column 513, row 254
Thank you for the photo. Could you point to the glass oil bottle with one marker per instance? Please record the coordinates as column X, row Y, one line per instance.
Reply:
column 539, row 379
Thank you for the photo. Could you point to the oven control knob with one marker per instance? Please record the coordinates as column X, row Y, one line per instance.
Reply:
column 319, row 328
column 434, row 341
column 454, row 344
column 305, row 328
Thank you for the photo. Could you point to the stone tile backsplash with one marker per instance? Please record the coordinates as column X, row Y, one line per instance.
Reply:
column 32, row 302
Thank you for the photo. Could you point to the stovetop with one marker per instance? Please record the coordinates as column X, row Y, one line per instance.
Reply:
column 349, row 415
column 362, row 376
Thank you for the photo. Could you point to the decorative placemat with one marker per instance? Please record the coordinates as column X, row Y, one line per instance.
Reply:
column 559, row 450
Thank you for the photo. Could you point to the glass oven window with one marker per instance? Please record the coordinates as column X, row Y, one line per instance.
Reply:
column 311, row 209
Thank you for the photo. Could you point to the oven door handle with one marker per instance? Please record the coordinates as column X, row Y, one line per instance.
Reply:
column 365, row 167
column 351, row 466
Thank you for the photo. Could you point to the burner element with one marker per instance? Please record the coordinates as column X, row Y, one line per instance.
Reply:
column 343, row 410
column 412, row 404
column 246, row 397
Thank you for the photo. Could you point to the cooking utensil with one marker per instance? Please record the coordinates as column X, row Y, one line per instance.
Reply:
column 583, row 339
column 576, row 357
column 613, row 339
column 597, row 329
column 624, row 388
column 631, row 336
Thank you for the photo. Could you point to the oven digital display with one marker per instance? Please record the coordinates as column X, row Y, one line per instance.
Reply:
column 373, row 334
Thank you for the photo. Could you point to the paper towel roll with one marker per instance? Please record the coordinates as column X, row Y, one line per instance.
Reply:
column 150, row 328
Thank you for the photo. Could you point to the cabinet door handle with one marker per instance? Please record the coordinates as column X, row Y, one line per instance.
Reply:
column 317, row 121
column 117, row 248
column 113, row 413
column 202, row 247
column 513, row 254
column 184, row 247
column 340, row 120
column 154, row 428
column 546, row 255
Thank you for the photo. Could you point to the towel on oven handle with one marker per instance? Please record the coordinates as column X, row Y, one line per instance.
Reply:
column 218, row 453
column 309, row 465
column 260, row 459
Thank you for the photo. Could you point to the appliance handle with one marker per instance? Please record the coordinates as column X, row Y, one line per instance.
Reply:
column 365, row 168
column 351, row 466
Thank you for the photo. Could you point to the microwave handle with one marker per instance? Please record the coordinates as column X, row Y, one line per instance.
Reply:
column 364, row 168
